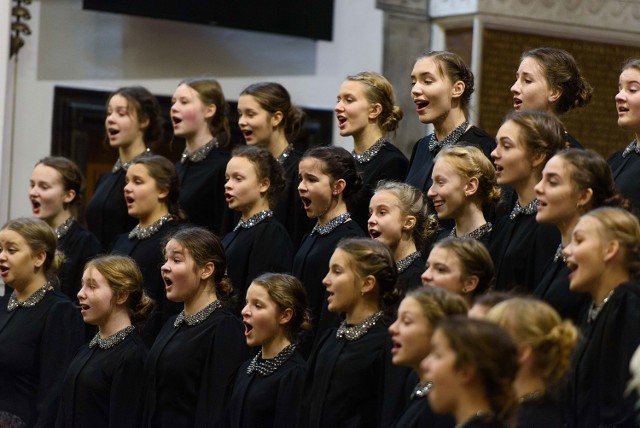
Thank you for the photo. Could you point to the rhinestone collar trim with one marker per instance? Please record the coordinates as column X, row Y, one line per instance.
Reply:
column 268, row 367
column 198, row 317
column 368, row 155
column 558, row 256
column 125, row 165
column 111, row 341
column 253, row 220
column 595, row 309
column 529, row 209
column 476, row 234
column 450, row 139
column 30, row 301
column 329, row 226
column 285, row 154
column 403, row 264
column 150, row 230
column 355, row 332
column 421, row 390
column 64, row 227
column 200, row 154
column 631, row 148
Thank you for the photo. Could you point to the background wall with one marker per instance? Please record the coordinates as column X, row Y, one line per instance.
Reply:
column 76, row 48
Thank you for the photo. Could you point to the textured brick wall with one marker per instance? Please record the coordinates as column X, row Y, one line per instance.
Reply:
column 595, row 125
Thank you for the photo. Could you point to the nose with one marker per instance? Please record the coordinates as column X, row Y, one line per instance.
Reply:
column 127, row 187
column 393, row 328
column 325, row 281
column 241, row 120
column 567, row 251
column 495, row 154
column 245, row 311
column 620, row 95
column 515, row 88
column 302, row 187
column 539, row 188
column 372, row 219
column 431, row 193
column 415, row 89
column 426, row 277
column 81, row 295
column 32, row 191
column 165, row 267
column 339, row 107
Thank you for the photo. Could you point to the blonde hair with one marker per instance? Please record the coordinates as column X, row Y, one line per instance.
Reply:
column 378, row 90
column 438, row 303
column 533, row 322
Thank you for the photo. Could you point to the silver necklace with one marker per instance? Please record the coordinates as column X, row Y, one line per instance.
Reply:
column 125, row 165
column 370, row 153
column 199, row 154
column 64, row 227
column 150, row 230
column 476, row 234
column 328, row 227
column 30, row 301
column 528, row 209
column 267, row 367
column 198, row 317
column 595, row 309
column 421, row 390
column 111, row 341
column 355, row 332
column 449, row 139
column 285, row 154
column 253, row 220
column 403, row 264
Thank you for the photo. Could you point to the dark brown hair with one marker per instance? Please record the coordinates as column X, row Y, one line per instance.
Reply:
column 210, row 92
column 146, row 107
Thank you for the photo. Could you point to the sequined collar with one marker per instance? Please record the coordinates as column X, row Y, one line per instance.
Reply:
column 328, row 227
column 253, row 220
column 529, row 209
column 476, row 234
column 111, row 341
column 403, row 264
column 125, row 165
column 421, row 390
column 30, row 301
column 64, row 227
column 285, row 154
column 267, row 367
column 368, row 155
column 558, row 256
column 355, row 332
column 595, row 309
column 150, row 230
column 198, row 317
column 631, row 148
column 200, row 154
column 480, row 416
column 450, row 139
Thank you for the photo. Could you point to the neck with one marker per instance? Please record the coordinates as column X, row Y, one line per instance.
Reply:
column 366, row 138
column 470, row 220
column 25, row 290
column 469, row 405
column 261, row 205
column 203, row 297
column 130, row 151
column 361, row 311
column 405, row 247
column 526, row 383
column 274, row 346
column 525, row 189
column 277, row 144
column 118, row 320
column 337, row 207
column 199, row 139
column 448, row 123
column 58, row 219
column 159, row 211
column 610, row 280
column 566, row 227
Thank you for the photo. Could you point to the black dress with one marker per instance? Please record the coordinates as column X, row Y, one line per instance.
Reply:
column 148, row 254
column 107, row 215
column 189, row 369
column 600, row 365
column 267, row 401
column 388, row 164
column 625, row 173
column 103, row 387
column 410, row 278
column 539, row 412
column 264, row 247
column 202, row 191
column 421, row 163
column 520, row 249
column 37, row 344
column 346, row 384
column 289, row 210
column 553, row 288
column 310, row 266
column 418, row 414
column 78, row 246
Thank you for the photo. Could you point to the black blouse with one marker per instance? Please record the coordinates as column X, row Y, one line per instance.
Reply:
column 189, row 369
column 539, row 412
column 625, row 173
column 410, row 278
column 37, row 344
column 107, row 214
column 202, row 192
column 389, row 164
column 78, row 246
column 418, row 414
column 267, row 401
column 103, row 387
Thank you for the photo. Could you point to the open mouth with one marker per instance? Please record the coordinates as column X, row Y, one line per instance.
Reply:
column 341, row 121
column 248, row 328
column 35, row 206
column 517, row 103
column 113, row 131
column 3, row 270
column 167, row 281
column 395, row 346
column 437, row 204
column 247, row 133
column 374, row 233
column 499, row 168
column 622, row 110
column 228, row 197
column 129, row 200
column 306, row 202
column 421, row 105
column 176, row 120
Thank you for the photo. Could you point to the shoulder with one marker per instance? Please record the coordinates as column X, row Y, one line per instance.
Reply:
column 392, row 152
column 478, row 136
column 350, row 228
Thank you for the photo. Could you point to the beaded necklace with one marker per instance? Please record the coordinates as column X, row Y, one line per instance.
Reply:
column 253, row 220
column 150, row 230
column 449, row 139
column 198, row 317
column 64, row 227
column 328, row 227
column 30, row 301
column 355, row 332
column 528, row 209
column 199, row 154
column 403, row 264
column 285, row 154
column 476, row 234
column 111, row 341
column 269, row 366
column 125, row 165
column 368, row 155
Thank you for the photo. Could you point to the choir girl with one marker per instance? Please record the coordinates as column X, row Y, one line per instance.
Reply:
column 346, row 384
column 604, row 257
column 40, row 329
column 199, row 116
column 195, row 355
column 471, row 366
column 367, row 112
column 151, row 193
column 267, row 388
column 484, row 302
column 520, row 247
column 55, row 192
column 460, row 265
column 442, row 85
column 398, row 218
column 418, row 315
column 573, row 182
column 464, row 182
column 268, row 119
column 549, row 80
column 328, row 179
column 545, row 344
column 133, row 123
column 103, row 385
column 258, row 243
column 625, row 163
